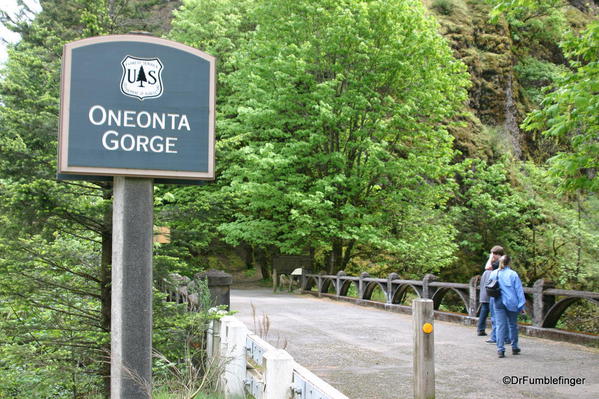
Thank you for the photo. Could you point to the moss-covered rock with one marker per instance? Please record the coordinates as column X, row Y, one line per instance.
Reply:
column 486, row 48
column 509, row 63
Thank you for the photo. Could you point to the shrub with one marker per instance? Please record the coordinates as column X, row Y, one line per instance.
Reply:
column 534, row 74
column 443, row 7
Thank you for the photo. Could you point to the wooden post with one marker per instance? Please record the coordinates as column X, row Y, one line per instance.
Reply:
column 424, row 354
column 473, row 300
column 275, row 280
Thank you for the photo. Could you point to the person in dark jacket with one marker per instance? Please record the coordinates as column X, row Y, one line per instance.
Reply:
column 485, row 308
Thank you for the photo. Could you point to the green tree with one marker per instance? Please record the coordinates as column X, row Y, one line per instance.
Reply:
column 569, row 114
column 487, row 212
column 535, row 25
column 336, row 129
column 56, row 236
column 514, row 204
column 218, row 27
column 525, row 10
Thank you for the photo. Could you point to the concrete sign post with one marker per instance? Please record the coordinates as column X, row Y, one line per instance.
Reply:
column 135, row 108
column 131, row 312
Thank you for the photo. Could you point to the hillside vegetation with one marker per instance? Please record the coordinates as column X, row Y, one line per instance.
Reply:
column 381, row 136
column 503, row 181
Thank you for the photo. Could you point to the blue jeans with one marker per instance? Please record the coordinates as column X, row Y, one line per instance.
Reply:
column 482, row 316
column 493, row 322
column 507, row 327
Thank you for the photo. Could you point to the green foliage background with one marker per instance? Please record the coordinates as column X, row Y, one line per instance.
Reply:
column 383, row 136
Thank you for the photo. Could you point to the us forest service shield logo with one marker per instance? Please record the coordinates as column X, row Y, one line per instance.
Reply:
column 141, row 77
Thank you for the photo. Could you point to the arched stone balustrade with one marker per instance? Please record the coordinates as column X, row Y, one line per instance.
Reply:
column 544, row 303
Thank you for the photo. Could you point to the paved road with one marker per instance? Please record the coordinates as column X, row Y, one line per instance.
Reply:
column 367, row 353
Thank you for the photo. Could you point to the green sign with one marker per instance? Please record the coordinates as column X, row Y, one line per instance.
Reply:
column 134, row 105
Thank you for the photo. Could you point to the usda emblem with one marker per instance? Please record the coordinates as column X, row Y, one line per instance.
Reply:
column 141, row 77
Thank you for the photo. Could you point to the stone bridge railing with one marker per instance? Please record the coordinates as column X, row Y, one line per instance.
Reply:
column 544, row 303
column 257, row 368
column 182, row 289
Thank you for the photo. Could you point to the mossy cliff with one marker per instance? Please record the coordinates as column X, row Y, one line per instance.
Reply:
column 499, row 57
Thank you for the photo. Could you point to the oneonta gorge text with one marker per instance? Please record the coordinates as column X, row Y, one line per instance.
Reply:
column 112, row 140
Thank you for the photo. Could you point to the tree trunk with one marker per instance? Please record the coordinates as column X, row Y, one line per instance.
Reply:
column 347, row 254
column 578, row 236
column 106, row 287
column 249, row 256
column 262, row 261
column 336, row 257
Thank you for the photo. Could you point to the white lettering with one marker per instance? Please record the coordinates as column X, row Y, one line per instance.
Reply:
column 184, row 122
column 142, row 141
column 148, row 119
column 173, row 119
column 114, row 144
column 158, row 119
column 129, row 142
column 98, row 115
column 169, row 144
column 129, row 117
column 102, row 112
column 114, row 118
column 159, row 147
column 129, row 147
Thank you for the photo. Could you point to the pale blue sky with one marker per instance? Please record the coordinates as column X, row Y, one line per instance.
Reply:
column 10, row 6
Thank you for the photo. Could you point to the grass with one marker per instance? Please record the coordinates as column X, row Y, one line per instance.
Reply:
column 165, row 394
column 162, row 393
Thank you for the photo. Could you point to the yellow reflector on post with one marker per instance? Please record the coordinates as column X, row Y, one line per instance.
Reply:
column 427, row 328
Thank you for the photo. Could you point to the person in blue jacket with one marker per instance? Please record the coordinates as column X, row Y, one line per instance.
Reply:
column 508, row 305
